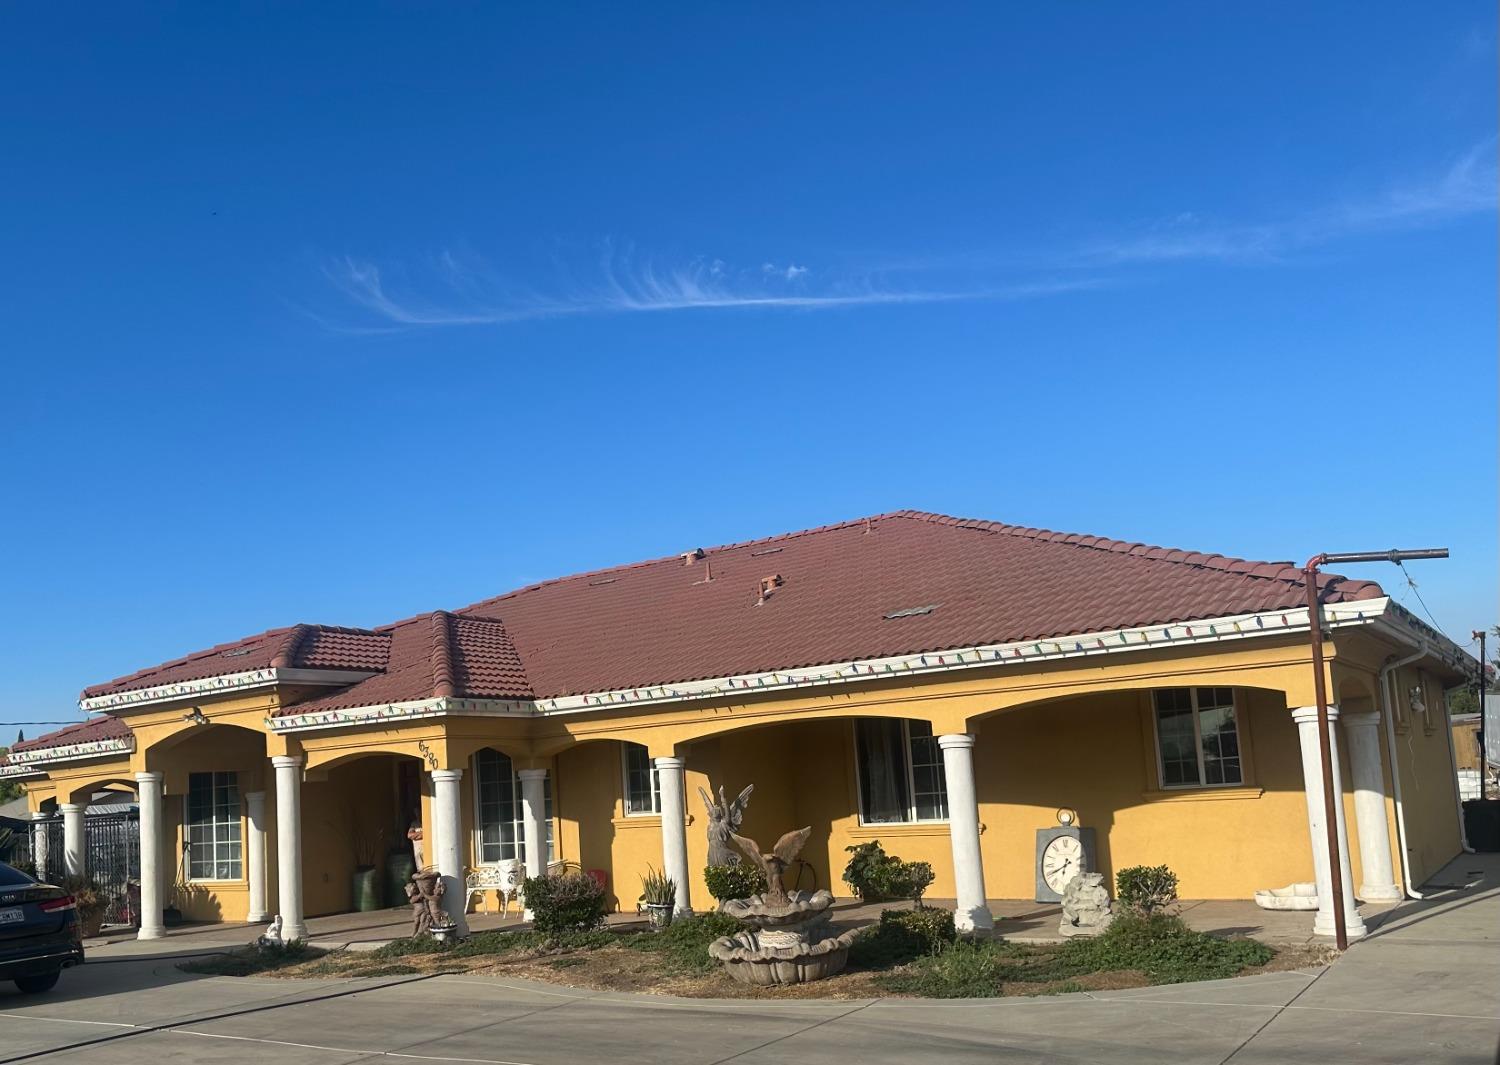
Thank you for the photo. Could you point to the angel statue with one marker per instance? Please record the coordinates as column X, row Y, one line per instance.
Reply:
column 723, row 818
column 425, row 892
column 774, row 864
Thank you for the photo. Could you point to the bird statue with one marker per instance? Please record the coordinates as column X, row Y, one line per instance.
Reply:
column 723, row 818
column 774, row 864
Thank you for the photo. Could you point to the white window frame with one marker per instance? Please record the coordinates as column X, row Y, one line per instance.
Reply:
column 477, row 835
column 1201, row 785
column 655, row 810
column 911, row 784
column 187, row 855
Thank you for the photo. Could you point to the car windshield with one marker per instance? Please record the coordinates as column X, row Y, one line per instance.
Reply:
column 11, row 876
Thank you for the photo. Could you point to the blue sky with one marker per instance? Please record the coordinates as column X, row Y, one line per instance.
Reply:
column 338, row 313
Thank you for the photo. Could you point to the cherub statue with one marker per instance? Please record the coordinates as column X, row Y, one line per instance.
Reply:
column 271, row 937
column 723, row 818
column 774, row 864
column 426, row 893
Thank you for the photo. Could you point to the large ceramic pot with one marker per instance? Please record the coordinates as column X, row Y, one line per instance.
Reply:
column 659, row 914
column 399, row 866
column 366, row 889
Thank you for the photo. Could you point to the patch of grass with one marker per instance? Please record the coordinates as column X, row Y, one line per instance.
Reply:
column 1162, row 949
column 683, row 945
column 395, row 969
column 482, row 944
column 253, row 959
column 964, row 970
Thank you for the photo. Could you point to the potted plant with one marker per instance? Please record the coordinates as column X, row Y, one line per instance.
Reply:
column 90, row 901
column 659, row 894
column 366, row 847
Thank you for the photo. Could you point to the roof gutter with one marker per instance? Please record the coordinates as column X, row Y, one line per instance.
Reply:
column 228, row 682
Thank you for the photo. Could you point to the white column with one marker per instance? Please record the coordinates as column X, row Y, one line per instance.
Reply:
column 534, row 819
column 674, row 859
column 39, row 845
column 1362, row 732
column 1312, row 783
column 447, row 849
column 255, row 855
column 972, row 913
column 148, row 790
column 73, row 838
column 289, row 845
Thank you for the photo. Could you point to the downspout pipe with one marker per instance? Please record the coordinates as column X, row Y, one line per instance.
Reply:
column 1388, row 712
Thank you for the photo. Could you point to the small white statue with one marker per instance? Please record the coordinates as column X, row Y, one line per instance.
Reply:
column 271, row 937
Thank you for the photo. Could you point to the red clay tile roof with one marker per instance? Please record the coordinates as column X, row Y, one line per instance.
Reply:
column 431, row 656
column 667, row 621
column 100, row 728
column 299, row 646
column 662, row 621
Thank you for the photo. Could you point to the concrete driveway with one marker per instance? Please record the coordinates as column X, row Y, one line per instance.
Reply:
column 1424, row 988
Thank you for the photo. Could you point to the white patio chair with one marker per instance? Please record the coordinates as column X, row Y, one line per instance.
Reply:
column 503, row 877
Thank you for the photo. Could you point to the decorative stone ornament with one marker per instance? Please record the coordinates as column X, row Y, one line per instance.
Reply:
column 724, row 818
column 1061, row 854
column 1085, row 906
column 788, row 940
column 426, row 895
column 1302, row 896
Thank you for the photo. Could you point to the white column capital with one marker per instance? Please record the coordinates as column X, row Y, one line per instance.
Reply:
column 447, row 774
column 669, row 762
column 955, row 741
column 1364, row 719
column 40, row 815
column 287, row 761
column 150, row 778
column 531, row 774
column 1303, row 714
column 74, row 808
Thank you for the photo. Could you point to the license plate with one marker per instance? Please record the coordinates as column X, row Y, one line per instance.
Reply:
column 13, row 915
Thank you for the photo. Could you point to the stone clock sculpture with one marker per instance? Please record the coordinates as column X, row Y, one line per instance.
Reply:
column 1061, row 854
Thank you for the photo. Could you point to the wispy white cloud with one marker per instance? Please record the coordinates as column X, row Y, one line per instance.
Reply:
column 462, row 292
column 1465, row 187
column 459, row 290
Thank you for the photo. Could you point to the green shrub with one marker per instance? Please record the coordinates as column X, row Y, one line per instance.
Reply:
column 1146, row 889
column 902, row 936
column 875, row 875
column 572, row 902
column 727, row 882
column 1162, row 947
column 683, row 945
column 964, row 970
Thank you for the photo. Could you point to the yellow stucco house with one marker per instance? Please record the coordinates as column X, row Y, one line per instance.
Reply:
column 946, row 686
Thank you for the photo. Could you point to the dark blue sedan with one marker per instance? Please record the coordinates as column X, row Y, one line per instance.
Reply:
column 39, row 931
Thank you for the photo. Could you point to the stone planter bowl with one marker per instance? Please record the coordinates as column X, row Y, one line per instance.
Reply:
column 771, row 972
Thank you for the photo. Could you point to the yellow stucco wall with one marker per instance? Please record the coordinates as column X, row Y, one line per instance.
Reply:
column 1076, row 735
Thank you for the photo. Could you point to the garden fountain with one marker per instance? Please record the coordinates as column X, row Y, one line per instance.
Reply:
column 788, row 939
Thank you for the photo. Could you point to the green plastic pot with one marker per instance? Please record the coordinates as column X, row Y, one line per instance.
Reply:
column 366, row 889
column 399, row 866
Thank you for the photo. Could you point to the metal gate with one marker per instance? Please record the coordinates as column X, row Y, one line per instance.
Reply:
column 112, row 856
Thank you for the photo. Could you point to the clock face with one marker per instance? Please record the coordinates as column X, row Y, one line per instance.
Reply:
column 1062, row 860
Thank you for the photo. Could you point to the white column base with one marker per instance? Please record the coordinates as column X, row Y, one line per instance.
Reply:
column 1381, row 893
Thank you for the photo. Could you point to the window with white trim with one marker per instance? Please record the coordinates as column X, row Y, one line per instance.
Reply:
column 900, row 771
column 1197, row 738
column 642, row 783
column 498, row 812
column 211, row 826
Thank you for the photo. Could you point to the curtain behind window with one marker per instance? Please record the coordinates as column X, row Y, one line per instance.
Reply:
column 882, row 771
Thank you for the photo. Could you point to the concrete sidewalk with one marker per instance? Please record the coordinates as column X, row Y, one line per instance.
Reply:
column 1424, row 988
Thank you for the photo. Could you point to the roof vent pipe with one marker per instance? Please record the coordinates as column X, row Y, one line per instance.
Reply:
column 768, row 585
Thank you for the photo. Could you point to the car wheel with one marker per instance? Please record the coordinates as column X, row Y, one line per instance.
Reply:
column 35, row 985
